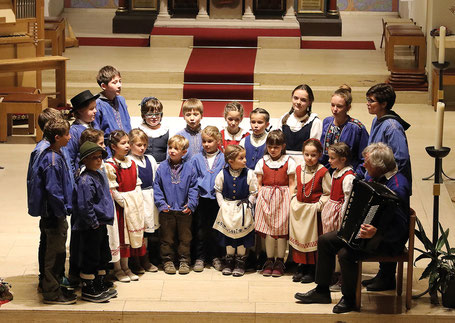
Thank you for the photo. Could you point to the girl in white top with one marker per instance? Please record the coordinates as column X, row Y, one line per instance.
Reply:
column 158, row 135
column 339, row 157
column 146, row 169
column 276, row 181
column 300, row 124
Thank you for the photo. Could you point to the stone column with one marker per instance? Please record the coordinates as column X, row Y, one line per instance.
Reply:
column 248, row 14
column 290, row 12
column 332, row 9
column 163, row 14
column 202, row 14
column 122, row 6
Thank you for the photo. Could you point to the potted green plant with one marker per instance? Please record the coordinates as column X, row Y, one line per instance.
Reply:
column 441, row 269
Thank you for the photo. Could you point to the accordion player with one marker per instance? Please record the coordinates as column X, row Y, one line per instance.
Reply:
column 369, row 203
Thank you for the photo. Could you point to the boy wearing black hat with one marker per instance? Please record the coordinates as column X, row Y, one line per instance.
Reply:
column 84, row 110
column 93, row 210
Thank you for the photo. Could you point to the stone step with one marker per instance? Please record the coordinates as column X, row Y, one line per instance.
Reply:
column 263, row 93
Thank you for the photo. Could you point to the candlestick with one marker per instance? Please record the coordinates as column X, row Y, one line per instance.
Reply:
column 439, row 124
column 442, row 44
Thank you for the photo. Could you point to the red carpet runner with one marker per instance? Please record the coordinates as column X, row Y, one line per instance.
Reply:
column 222, row 74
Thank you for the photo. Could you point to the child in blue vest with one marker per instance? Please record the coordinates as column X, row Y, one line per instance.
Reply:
column 158, row 135
column 146, row 166
column 255, row 144
column 207, row 165
column 236, row 188
column 112, row 112
column 50, row 197
column 93, row 211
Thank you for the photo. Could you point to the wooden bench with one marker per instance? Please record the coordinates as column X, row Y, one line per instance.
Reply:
column 405, row 35
column 448, row 78
column 22, row 103
column 57, row 63
column 4, row 91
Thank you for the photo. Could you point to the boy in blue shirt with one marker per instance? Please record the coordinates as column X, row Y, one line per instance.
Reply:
column 45, row 116
column 93, row 210
column 176, row 198
column 112, row 112
column 207, row 164
column 192, row 110
column 50, row 197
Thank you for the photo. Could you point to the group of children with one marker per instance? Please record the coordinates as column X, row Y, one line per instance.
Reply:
column 203, row 196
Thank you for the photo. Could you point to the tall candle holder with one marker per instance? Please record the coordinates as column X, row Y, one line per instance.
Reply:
column 441, row 68
column 438, row 154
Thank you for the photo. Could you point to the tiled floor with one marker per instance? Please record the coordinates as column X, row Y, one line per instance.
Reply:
column 209, row 296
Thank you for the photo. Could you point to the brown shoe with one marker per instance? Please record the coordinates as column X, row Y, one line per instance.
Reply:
column 199, row 265
column 239, row 269
column 229, row 265
column 184, row 268
column 278, row 267
column 268, row 268
column 169, row 268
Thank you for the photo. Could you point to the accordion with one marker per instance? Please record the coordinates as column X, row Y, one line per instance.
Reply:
column 367, row 204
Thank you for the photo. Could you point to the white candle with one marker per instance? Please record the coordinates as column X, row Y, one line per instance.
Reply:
column 439, row 124
column 442, row 45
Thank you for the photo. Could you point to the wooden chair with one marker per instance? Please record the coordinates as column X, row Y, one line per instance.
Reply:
column 406, row 256
column 405, row 35
column 388, row 21
column 22, row 103
column 4, row 91
column 54, row 30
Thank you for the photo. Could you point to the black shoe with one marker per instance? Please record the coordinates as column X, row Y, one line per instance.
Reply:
column 93, row 294
column 382, row 284
column 62, row 300
column 105, row 286
column 344, row 305
column 367, row 282
column 313, row 296
column 297, row 277
column 308, row 277
column 228, row 265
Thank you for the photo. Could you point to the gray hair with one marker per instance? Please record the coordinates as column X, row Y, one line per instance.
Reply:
column 380, row 156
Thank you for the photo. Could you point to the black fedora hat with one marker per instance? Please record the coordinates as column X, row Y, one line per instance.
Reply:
column 80, row 100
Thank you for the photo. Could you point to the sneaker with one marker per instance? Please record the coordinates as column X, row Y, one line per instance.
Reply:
column 229, row 265
column 199, row 266
column 62, row 300
column 69, row 284
column 239, row 269
column 92, row 293
column 169, row 268
column 121, row 276
column 268, row 267
column 184, row 268
column 217, row 264
column 336, row 287
column 278, row 267
column 131, row 275
column 105, row 286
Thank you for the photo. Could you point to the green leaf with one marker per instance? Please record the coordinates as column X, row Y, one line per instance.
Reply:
column 446, row 236
column 421, row 235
